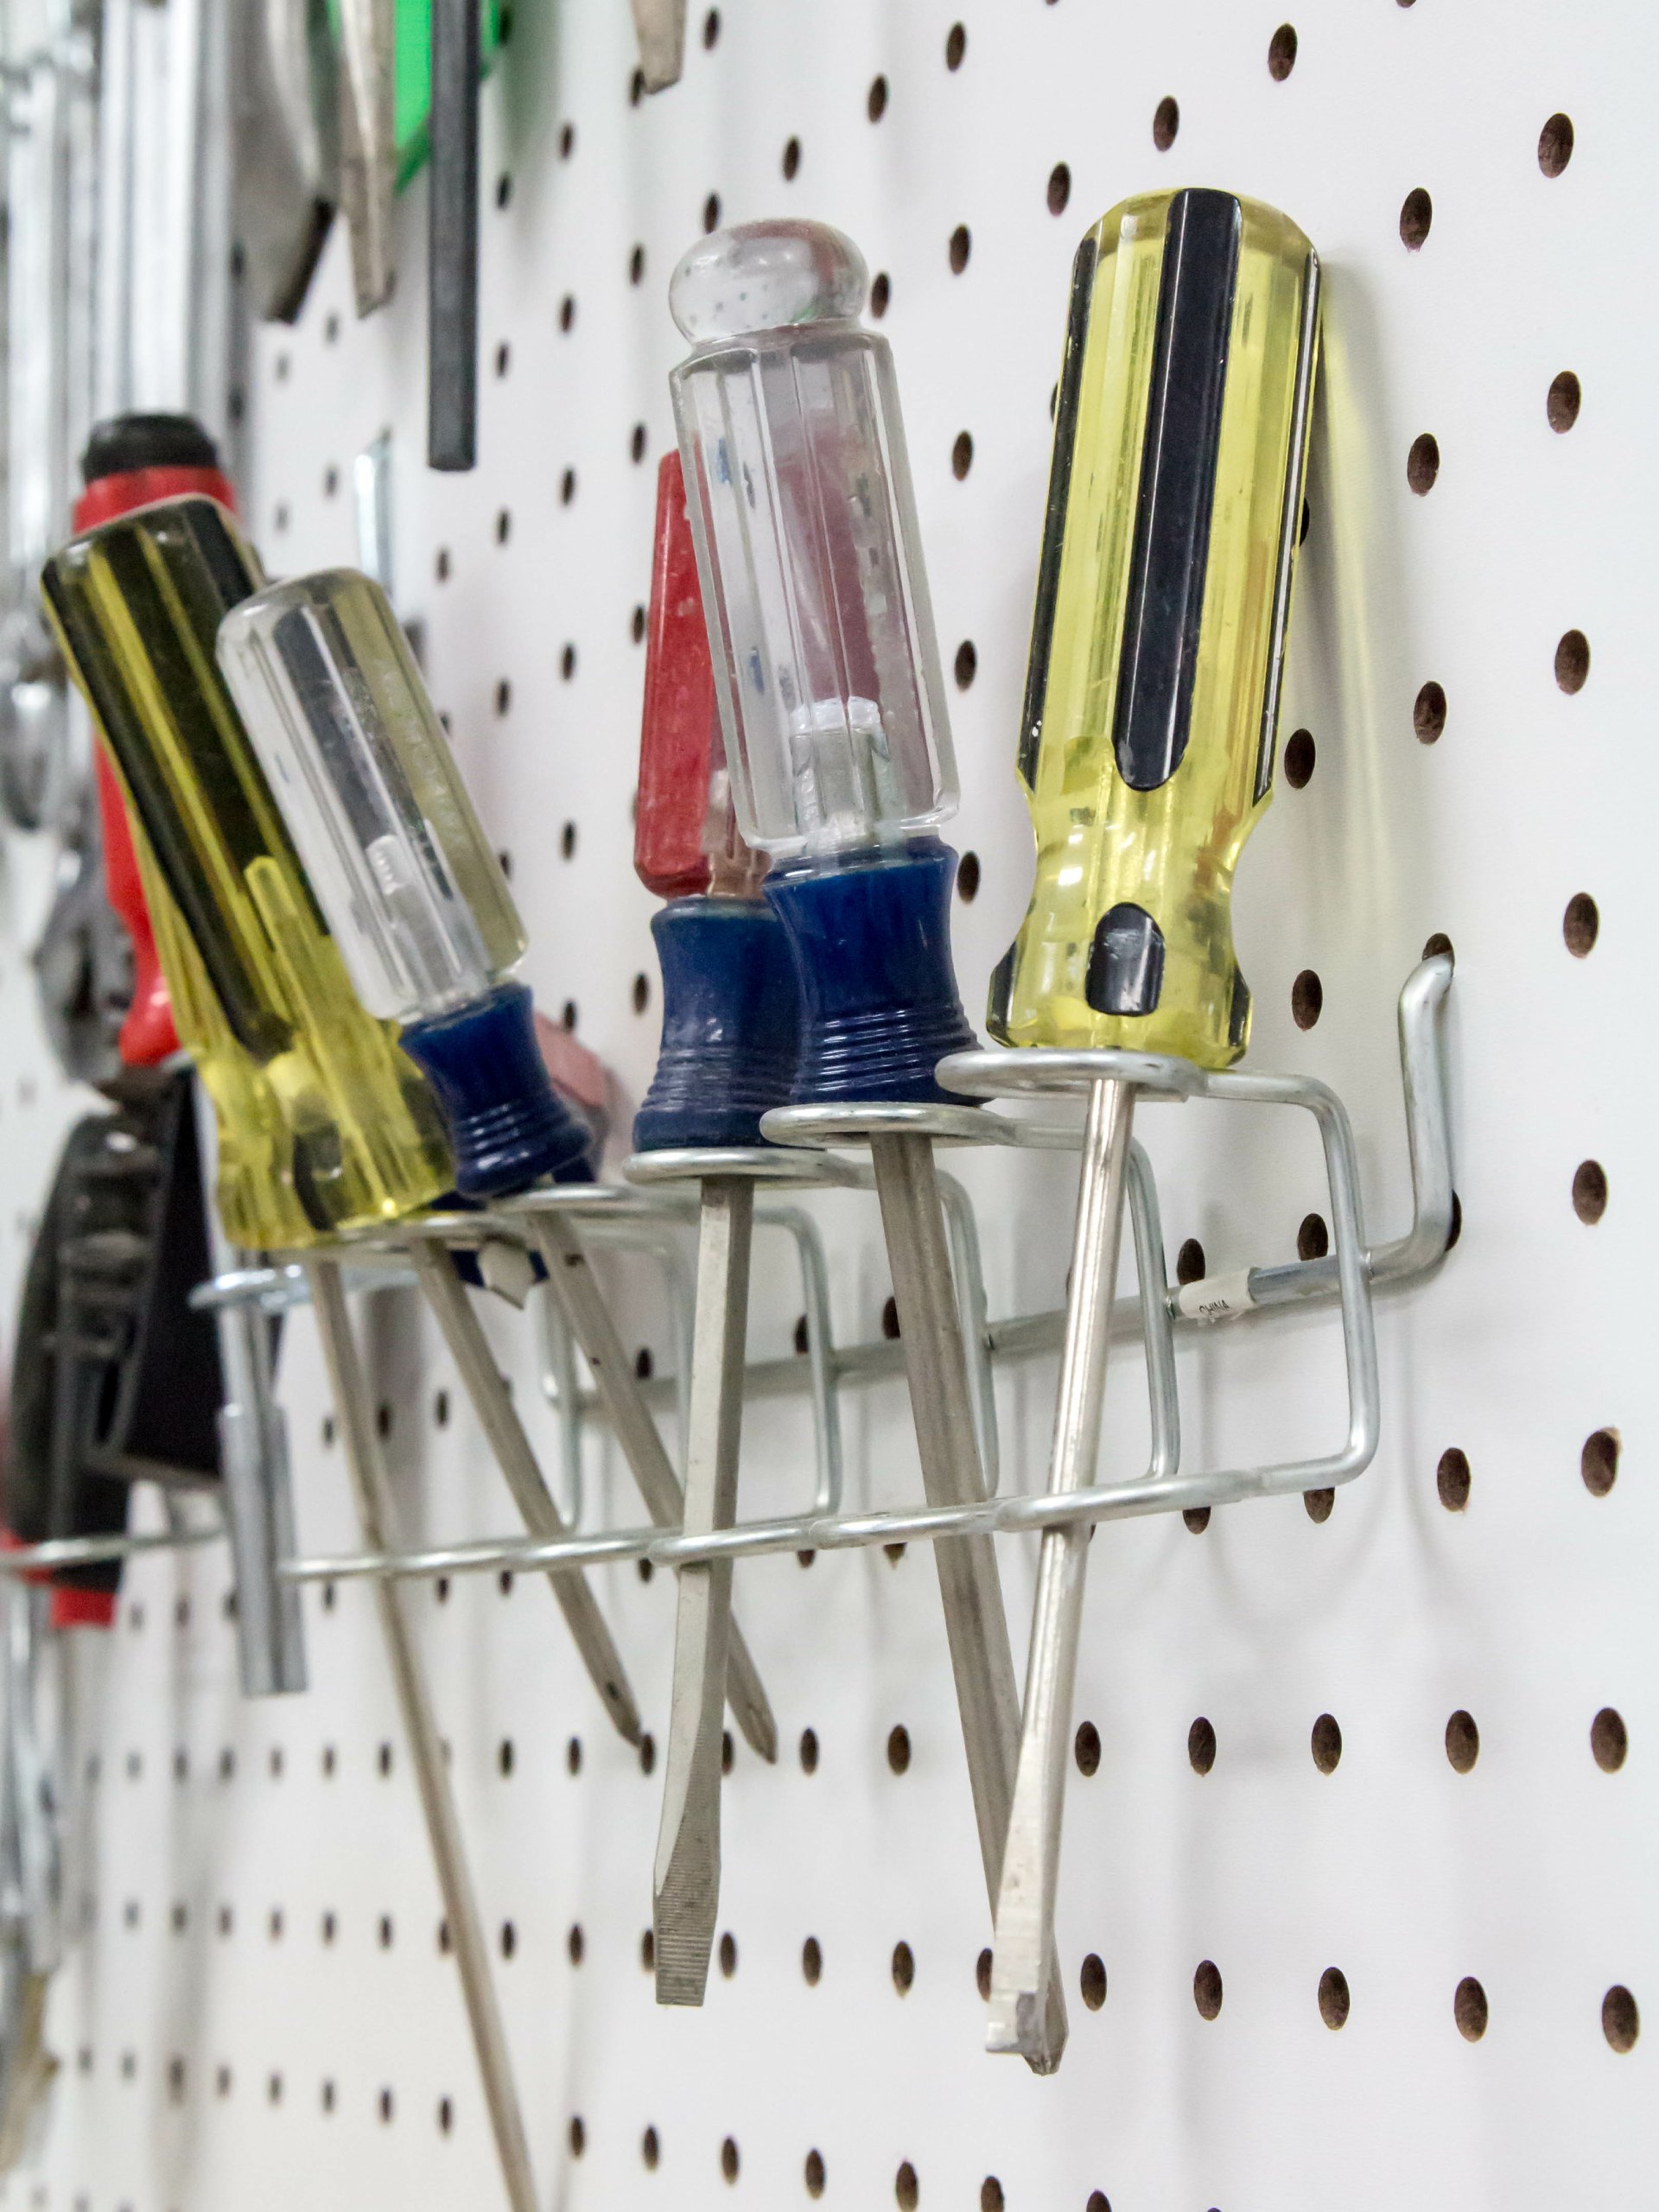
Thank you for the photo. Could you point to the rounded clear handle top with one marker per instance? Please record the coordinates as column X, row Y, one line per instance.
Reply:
column 765, row 276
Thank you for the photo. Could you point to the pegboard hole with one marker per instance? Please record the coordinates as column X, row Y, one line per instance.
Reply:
column 1281, row 52
column 503, row 189
column 710, row 29
column 1325, row 1742
column 330, row 1928
column 1206, row 1989
column 899, row 1748
column 578, row 2135
column 648, row 1951
column 636, row 265
column 1469, row 2009
column 1189, row 1263
column 809, row 1750
column 568, row 842
column 967, row 663
column 1300, row 756
column 1555, row 144
column 567, row 663
column 906, row 2190
column 1428, row 715
column 961, row 455
column 728, row 1955
column 1307, row 999
column 875, row 101
column 567, row 487
column 967, row 878
column 446, row 2115
column 728, row 1751
column 384, row 1758
column 1590, row 1192
column 814, row 2173
column 636, row 88
column 904, row 1969
column 509, row 1939
column 791, row 164
column 1580, row 925
column 1573, row 661
column 502, row 526
column 1620, row 2021
column 444, row 1939
column 1423, row 463
column 1462, row 1741
column 648, row 1752
column 1165, row 122
column 1312, row 1237
column 1610, row 1741
column 881, row 293
column 711, row 212
column 729, row 2160
column 638, row 441
column 1059, row 192
column 955, row 46
column 502, row 696
column 1196, row 1519
column 962, row 244
column 990, row 2194
column 1565, row 397
column 330, row 481
column 441, row 565
column 1098, row 2201
column 1318, row 1504
column 386, row 1931
column 1416, row 214
column 1599, row 1461
column 1333, row 1997
column 890, row 1320
column 1201, row 1745
column 1085, row 1748
column 983, row 1975
column 812, row 1961
column 567, row 141
column 567, row 313
column 504, row 1757
column 650, row 2150
column 1451, row 1479
column 1092, row 1981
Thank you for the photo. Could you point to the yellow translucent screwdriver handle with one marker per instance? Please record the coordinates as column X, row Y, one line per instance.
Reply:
column 1152, row 699
column 325, row 1124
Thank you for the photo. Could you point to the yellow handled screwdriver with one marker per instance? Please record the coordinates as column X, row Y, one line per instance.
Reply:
column 1147, row 750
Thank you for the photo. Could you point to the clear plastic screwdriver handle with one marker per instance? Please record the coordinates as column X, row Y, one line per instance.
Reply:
column 799, row 493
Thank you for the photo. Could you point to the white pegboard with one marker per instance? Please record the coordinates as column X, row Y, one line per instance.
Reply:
column 217, row 2059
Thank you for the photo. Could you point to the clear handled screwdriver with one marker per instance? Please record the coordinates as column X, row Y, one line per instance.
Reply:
column 1147, row 751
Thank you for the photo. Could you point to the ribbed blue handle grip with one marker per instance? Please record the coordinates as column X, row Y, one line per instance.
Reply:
column 730, row 1025
column 871, row 939
column 508, row 1126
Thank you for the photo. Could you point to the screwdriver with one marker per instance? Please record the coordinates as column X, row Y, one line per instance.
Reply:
column 324, row 1124
column 358, row 760
column 839, row 749
column 1147, row 751
column 130, row 461
column 727, row 1053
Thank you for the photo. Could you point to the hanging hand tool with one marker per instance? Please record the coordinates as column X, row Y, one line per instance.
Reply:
column 839, row 749
column 368, row 144
column 130, row 462
column 1146, row 749
column 451, row 258
column 659, row 27
column 325, row 1124
column 727, row 1053
column 285, row 146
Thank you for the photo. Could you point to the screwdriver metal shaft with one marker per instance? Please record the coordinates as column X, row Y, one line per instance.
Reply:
column 446, row 1295
column 369, row 1484
column 1023, row 1944
column 687, row 1889
column 587, row 1315
column 982, row 1655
